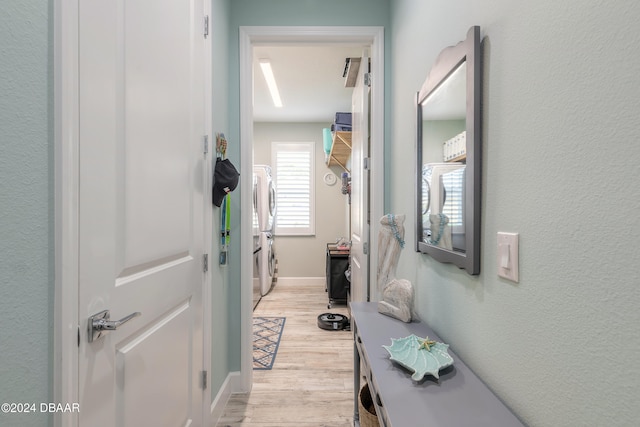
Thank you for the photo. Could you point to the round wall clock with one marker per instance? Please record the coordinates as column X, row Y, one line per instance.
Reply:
column 329, row 178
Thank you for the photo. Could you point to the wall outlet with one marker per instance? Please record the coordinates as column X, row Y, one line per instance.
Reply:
column 508, row 256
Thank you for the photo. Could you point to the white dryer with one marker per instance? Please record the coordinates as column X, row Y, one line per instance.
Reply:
column 266, row 203
column 266, row 197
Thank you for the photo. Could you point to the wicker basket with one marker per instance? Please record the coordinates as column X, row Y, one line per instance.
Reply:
column 366, row 409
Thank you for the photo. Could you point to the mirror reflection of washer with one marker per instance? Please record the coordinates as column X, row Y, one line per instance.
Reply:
column 266, row 204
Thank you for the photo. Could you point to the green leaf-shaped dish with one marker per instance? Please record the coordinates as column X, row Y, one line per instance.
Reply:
column 412, row 354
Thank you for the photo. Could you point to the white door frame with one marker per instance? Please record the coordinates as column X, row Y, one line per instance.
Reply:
column 66, row 176
column 372, row 36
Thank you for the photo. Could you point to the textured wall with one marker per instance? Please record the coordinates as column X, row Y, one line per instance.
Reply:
column 304, row 256
column 26, row 195
column 219, row 275
column 560, row 167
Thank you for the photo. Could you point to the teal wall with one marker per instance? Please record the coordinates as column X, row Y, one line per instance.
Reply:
column 220, row 331
column 280, row 13
column 560, row 167
column 26, row 207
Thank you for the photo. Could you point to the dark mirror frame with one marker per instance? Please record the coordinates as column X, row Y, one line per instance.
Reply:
column 449, row 60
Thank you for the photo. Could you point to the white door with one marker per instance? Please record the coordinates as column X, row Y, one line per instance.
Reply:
column 142, row 184
column 360, row 186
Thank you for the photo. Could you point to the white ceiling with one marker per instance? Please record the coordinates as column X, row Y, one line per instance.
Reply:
column 310, row 81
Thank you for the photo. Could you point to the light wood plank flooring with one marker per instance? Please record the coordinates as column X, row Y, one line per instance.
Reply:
column 311, row 383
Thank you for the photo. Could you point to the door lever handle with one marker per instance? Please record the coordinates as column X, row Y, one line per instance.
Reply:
column 99, row 323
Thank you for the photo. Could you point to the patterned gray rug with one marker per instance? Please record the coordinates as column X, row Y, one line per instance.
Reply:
column 267, row 332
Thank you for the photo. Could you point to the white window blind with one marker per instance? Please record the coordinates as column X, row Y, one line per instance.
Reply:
column 453, row 207
column 294, row 183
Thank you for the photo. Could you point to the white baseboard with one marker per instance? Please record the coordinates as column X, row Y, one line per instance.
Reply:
column 229, row 386
column 301, row 281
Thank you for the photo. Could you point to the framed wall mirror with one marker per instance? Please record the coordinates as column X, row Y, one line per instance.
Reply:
column 448, row 155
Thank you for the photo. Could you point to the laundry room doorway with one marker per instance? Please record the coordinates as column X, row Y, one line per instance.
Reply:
column 300, row 187
column 370, row 38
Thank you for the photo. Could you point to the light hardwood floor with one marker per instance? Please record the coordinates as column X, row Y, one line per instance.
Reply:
column 311, row 383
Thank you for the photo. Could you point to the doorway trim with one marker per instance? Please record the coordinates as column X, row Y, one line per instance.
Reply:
column 66, row 212
column 66, row 177
column 248, row 37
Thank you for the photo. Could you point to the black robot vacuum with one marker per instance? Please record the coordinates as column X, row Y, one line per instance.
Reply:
column 333, row 322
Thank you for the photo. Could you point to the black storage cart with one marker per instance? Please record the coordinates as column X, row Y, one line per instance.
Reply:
column 337, row 285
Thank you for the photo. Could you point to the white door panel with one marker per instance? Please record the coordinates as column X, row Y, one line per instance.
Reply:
column 359, row 186
column 141, row 210
column 136, row 372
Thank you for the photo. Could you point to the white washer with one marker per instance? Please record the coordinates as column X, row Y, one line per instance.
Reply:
column 266, row 204
column 257, row 249
column 266, row 262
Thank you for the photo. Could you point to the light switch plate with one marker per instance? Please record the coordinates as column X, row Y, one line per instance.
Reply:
column 507, row 255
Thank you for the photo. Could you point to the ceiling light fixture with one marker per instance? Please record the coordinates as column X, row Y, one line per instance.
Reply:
column 265, row 66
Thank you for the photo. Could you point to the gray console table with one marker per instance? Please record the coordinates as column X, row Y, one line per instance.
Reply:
column 458, row 399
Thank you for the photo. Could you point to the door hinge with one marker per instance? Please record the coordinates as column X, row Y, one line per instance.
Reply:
column 206, row 26
column 367, row 79
column 203, row 380
column 365, row 248
column 205, row 262
column 205, row 140
column 367, row 163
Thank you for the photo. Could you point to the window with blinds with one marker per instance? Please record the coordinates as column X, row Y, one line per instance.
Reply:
column 454, row 205
column 294, row 182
